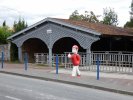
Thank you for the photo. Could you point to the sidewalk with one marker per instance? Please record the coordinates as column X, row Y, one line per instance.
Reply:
column 120, row 83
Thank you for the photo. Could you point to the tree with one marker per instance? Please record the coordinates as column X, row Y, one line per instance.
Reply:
column 4, row 23
column 20, row 25
column 130, row 23
column 110, row 17
column 90, row 17
column 4, row 33
column 75, row 15
column 87, row 16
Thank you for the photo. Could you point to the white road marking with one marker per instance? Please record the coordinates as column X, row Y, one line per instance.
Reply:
column 12, row 98
column 27, row 90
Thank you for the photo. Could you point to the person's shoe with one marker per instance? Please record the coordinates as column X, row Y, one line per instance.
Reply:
column 78, row 76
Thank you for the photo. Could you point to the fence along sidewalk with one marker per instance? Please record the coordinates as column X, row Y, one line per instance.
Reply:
column 114, row 62
column 109, row 62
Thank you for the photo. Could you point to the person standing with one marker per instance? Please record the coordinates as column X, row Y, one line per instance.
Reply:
column 75, row 58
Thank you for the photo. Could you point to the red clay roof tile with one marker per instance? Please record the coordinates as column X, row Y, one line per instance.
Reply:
column 102, row 28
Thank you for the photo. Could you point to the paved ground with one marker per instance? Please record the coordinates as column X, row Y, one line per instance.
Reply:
column 122, row 83
column 22, row 88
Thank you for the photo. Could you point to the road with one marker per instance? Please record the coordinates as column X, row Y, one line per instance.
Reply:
column 21, row 88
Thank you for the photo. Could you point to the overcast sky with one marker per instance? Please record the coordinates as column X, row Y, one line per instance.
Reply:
column 35, row 10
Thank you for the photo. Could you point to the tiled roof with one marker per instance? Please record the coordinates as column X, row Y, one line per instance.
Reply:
column 93, row 28
column 102, row 28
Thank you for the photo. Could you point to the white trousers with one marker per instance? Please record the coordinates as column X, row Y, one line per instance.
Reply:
column 75, row 71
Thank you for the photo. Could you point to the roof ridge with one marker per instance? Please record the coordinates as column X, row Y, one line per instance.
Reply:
column 95, row 28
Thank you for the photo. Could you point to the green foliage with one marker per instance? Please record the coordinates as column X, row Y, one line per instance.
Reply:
column 90, row 17
column 87, row 16
column 20, row 25
column 110, row 17
column 4, row 33
column 75, row 15
column 130, row 23
column 4, row 24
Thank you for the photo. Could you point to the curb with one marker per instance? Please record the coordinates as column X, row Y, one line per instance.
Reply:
column 71, row 83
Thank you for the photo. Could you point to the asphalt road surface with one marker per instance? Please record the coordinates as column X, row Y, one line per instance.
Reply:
column 21, row 88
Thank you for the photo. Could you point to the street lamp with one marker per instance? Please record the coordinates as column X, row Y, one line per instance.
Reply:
column 49, row 31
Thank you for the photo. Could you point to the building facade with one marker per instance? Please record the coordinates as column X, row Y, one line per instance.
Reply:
column 53, row 35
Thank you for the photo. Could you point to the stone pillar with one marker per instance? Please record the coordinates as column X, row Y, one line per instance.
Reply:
column 20, row 54
column 49, row 32
column 50, row 57
column 88, row 57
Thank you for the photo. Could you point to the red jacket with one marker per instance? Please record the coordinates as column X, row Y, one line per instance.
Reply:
column 75, row 58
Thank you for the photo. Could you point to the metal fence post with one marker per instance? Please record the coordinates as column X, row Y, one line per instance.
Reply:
column 98, row 63
column 53, row 60
column 132, row 63
column 57, row 64
column 26, row 61
column 65, row 59
column 2, row 60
